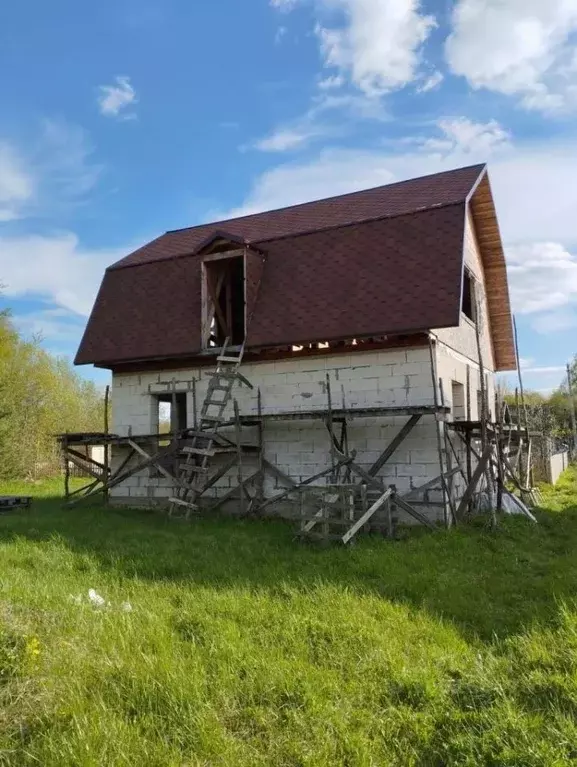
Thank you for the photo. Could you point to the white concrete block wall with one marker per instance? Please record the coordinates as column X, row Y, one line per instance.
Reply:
column 399, row 377
column 301, row 448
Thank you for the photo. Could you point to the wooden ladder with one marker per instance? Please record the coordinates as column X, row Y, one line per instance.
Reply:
column 192, row 471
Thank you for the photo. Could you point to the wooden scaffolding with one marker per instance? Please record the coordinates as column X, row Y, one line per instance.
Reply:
column 336, row 503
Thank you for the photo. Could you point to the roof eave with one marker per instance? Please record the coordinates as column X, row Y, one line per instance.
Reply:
column 482, row 207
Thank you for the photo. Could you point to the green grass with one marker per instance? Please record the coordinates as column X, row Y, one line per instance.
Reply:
column 246, row 648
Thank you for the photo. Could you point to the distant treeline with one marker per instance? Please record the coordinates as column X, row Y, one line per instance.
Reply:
column 549, row 413
column 40, row 395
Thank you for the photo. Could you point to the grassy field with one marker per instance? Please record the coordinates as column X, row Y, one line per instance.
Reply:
column 243, row 647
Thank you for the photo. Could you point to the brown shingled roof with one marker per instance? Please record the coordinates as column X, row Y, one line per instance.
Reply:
column 381, row 261
column 383, row 201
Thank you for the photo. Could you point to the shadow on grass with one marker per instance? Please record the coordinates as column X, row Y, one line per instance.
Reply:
column 486, row 583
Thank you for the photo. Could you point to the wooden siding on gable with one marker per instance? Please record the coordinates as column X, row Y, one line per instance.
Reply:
column 488, row 236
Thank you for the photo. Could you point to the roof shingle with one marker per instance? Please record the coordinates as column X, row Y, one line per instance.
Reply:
column 382, row 261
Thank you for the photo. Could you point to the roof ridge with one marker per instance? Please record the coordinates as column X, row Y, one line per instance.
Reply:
column 294, row 235
column 326, row 199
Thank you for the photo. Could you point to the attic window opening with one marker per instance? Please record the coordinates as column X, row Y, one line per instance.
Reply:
column 224, row 284
column 468, row 304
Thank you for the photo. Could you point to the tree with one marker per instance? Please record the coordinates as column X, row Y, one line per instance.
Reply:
column 40, row 395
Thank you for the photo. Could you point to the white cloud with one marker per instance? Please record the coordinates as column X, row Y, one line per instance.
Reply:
column 284, row 5
column 55, row 268
column 545, row 370
column 533, row 184
column 331, row 82
column 376, row 44
column 114, row 100
column 555, row 322
column 280, row 33
column 330, row 115
column 285, row 139
column 543, row 277
column 16, row 184
column 431, row 83
column 466, row 136
column 380, row 44
column 59, row 325
column 523, row 48
column 54, row 173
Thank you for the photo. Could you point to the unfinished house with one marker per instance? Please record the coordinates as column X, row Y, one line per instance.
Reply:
column 331, row 344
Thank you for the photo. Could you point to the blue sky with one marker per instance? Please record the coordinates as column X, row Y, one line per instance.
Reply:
column 122, row 120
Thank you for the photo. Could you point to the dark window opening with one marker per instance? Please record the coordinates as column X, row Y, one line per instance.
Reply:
column 468, row 306
column 171, row 417
column 225, row 289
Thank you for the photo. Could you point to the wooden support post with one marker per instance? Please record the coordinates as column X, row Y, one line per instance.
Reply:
column 485, row 439
column 66, row 468
column 107, row 446
column 194, row 405
column 260, row 484
column 391, row 508
column 294, row 486
column 572, row 410
column 469, row 454
column 366, row 516
column 402, row 503
column 438, row 434
column 500, row 478
column 449, row 461
column 523, row 403
column 238, row 437
column 481, row 468
column 394, row 444
column 331, row 430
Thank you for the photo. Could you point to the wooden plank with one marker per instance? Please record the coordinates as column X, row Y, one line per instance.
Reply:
column 275, row 470
column 260, row 430
column 295, row 487
column 158, row 466
column 106, row 466
column 372, row 481
column 367, row 515
column 231, row 492
column 472, row 486
column 330, row 427
column 394, row 444
column 430, row 484
column 214, row 479
column 86, row 458
column 118, row 477
column 237, row 434
column 391, row 508
column 198, row 451
column 64, row 445
column 338, row 413
column 402, row 504
column 82, row 466
column 312, row 521
column 124, row 463
column 438, row 429
column 180, row 502
column 85, row 489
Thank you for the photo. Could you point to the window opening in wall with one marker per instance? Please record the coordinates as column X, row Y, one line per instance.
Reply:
column 170, row 419
column 468, row 306
column 224, row 283
column 458, row 398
